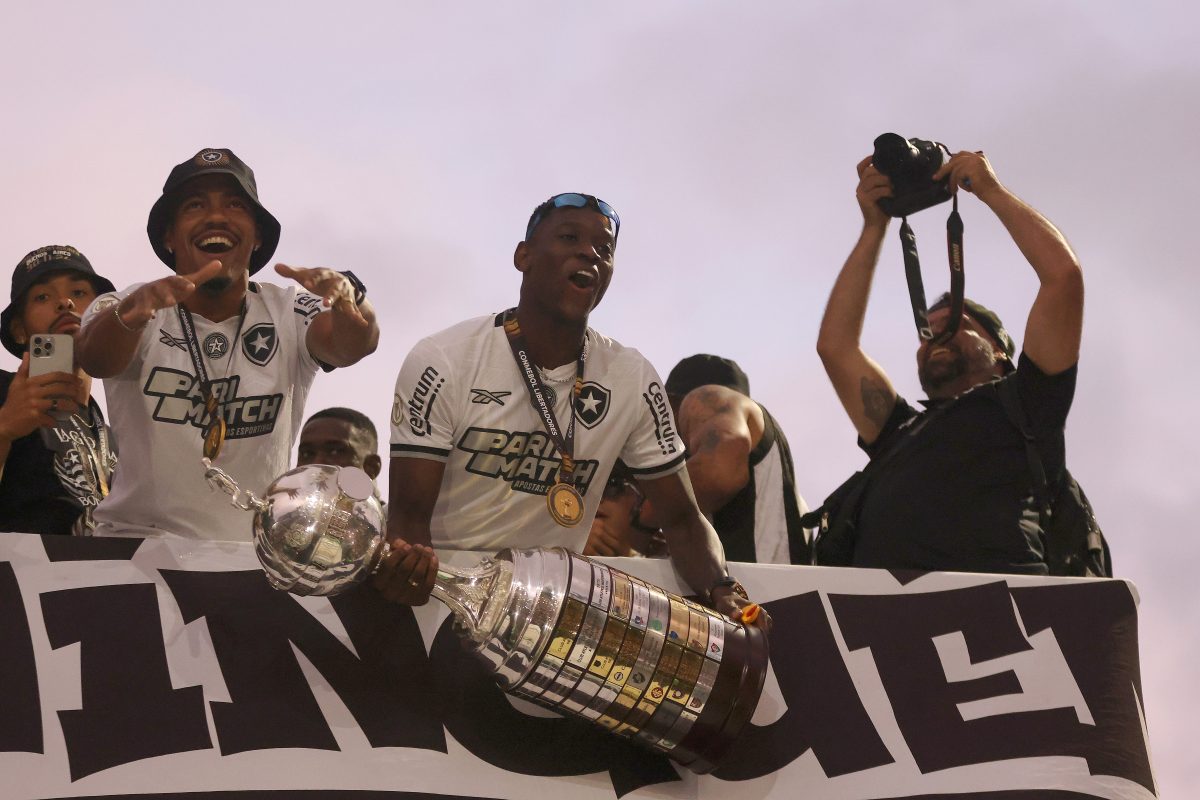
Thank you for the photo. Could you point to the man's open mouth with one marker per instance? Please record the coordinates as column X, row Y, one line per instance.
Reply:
column 215, row 243
column 584, row 279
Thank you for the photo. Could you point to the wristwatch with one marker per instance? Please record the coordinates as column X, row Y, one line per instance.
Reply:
column 734, row 585
column 360, row 288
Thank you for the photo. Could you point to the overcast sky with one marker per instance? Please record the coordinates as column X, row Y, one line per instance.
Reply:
column 409, row 141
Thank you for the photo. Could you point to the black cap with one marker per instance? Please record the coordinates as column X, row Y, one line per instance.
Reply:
column 34, row 268
column 208, row 161
column 987, row 319
column 702, row 370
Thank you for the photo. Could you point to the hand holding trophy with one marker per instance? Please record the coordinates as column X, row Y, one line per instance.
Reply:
column 552, row 626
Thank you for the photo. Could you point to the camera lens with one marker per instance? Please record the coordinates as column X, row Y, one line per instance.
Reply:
column 892, row 153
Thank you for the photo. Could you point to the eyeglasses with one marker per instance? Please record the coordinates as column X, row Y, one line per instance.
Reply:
column 572, row 200
column 616, row 487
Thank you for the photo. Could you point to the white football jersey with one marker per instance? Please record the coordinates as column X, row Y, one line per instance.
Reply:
column 261, row 375
column 460, row 399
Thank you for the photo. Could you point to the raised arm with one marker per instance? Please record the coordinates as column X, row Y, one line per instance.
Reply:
column 406, row 575
column 346, row 332
column 1055, row 324
column 110, row 335
column 861, row 385
column 719, row 426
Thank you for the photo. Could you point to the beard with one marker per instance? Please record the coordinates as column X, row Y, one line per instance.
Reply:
column 216, row 285
column 938, row 373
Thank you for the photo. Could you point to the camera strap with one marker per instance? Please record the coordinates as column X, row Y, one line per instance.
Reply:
column 916, row 287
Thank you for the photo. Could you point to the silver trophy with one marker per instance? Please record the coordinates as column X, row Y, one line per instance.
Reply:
column 552, row 626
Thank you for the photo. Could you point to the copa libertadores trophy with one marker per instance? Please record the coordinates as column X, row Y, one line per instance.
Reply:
column 552, row 626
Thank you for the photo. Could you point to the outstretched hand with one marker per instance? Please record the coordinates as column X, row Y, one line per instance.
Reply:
column 333, row 287
column 139, row 307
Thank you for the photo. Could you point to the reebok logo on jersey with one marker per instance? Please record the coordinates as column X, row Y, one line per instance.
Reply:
column 591, row 407
column 483, row 397
column 420, row 405
column 529, row 461
column 180, row 403
column 664, row 423
column 172, row 341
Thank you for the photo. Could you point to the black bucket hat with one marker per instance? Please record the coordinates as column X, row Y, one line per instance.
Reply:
column 988, row 320
column 33, row 269
column 208, row 161
column 702, row 370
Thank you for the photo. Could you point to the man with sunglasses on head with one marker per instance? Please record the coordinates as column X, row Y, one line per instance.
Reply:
column 505, row 427
column 952, row 488
column 207, row 362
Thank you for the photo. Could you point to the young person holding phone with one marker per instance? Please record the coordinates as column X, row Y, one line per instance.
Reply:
column 56, row 454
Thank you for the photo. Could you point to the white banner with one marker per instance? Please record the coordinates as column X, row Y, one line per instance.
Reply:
column 139, row 668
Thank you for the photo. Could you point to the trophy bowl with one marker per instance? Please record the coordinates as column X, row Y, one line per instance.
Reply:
column 318, row 529
column 551, row 626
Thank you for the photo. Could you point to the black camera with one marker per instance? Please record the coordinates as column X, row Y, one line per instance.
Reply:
column 910, row 163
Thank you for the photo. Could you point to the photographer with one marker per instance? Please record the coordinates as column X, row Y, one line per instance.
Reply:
column 952, row 490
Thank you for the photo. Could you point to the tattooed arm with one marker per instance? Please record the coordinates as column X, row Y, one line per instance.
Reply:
column 860, row 383
column 720, row 427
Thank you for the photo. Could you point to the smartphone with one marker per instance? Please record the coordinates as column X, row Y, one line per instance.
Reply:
column 51, row 352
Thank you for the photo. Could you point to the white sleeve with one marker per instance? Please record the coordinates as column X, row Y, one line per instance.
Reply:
column 104, row 305
column 306, row 307
column 423, row 424
column 654, row 447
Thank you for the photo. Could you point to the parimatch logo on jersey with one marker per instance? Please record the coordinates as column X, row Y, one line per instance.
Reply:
column 528, row 461
column 180, row 402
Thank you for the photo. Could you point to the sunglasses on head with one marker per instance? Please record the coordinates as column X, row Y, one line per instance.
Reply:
column 572, row 200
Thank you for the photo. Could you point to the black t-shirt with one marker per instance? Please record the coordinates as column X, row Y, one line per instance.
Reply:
column 958, row 494
column 33, row 499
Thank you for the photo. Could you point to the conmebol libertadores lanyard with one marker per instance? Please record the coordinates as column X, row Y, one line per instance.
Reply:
column 916, row 289
column 563, row 499
column 214, row 431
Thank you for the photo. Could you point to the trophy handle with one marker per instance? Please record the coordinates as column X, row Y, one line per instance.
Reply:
column 219, row 479
column 469, row 593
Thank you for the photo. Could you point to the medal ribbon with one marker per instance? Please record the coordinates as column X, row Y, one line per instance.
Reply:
column 188, row 327
column 564, row 441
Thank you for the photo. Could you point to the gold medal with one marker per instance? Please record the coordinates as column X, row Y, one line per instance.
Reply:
column 214, row 437
column 565, row 504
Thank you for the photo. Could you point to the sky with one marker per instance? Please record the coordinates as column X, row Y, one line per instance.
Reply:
column 409, row 141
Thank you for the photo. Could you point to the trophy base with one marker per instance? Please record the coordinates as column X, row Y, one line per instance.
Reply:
column 588, row 640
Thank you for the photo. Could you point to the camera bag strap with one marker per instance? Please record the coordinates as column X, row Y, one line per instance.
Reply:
column 916, row 287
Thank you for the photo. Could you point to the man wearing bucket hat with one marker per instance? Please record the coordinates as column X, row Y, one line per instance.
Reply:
column 950, row 487
column 56, row 455
column 206, row 362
